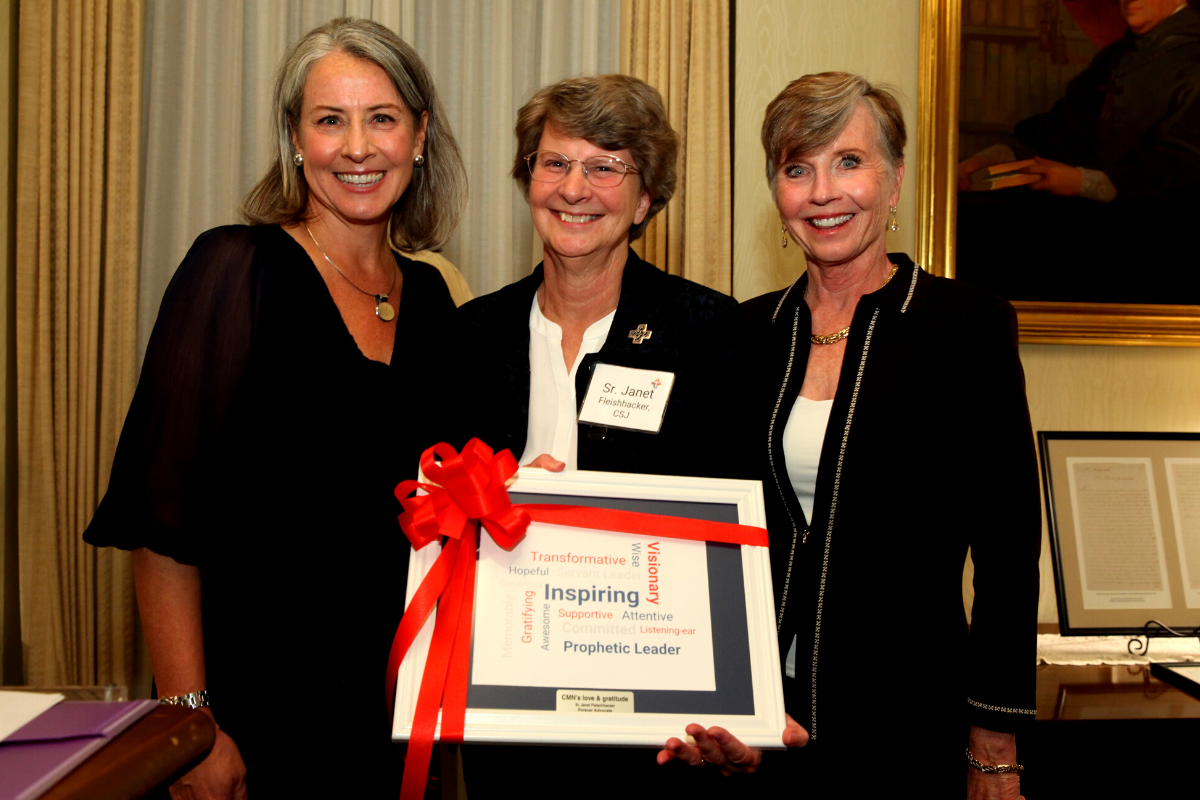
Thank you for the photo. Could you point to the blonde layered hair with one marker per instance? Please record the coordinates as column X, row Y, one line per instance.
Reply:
column 614, row 112
column 428, row 211
column 813, row 111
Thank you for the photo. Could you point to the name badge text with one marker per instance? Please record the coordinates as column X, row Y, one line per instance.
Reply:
column 623, row 397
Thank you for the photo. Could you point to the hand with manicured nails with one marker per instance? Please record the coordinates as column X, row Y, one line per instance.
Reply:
column 721, row 749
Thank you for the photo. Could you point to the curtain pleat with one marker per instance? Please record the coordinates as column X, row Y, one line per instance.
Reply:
column 487, row 60
column 118, row 348
column 78, row 129
column 681, row 48
column 210, row 77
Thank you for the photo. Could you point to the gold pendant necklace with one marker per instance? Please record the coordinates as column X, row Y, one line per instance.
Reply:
column 832, row 338
column 383, row 309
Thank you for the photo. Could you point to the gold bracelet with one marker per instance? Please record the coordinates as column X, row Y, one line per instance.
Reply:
column 993, row 769
column 192, row 700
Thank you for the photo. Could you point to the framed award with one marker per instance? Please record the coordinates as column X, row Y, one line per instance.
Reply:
column 586, row 636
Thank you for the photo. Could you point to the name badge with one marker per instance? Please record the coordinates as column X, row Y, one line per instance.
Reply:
column 623, row 397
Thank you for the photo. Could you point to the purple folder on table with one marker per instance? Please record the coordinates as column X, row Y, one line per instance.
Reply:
column 35, row 757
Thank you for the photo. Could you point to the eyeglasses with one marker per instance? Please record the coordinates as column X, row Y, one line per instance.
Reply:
column 546, row 166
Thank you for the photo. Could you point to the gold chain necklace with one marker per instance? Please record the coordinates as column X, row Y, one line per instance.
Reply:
column 833, row 338
column 383, row 309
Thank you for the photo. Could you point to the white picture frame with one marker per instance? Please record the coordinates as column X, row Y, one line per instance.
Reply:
column 758, row 723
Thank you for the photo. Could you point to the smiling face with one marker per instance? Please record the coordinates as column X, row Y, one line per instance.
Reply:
column 576, row 219
column 358, row 140
column 1143, row 16
column 835, row 201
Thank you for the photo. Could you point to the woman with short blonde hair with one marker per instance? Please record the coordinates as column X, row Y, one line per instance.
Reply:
column 812, row 111
column 877, row 377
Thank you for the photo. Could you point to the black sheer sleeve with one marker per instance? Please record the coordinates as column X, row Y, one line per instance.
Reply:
column 197, row 356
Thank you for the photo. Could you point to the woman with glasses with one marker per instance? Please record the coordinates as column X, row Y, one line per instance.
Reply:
column 596, row 160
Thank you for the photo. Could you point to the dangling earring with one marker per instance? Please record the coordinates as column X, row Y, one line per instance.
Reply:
column 419, row 160
column 784, row 231
column 892, row 225
column 298, row 160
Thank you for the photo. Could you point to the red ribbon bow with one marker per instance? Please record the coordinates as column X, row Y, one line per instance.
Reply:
column 473, row 490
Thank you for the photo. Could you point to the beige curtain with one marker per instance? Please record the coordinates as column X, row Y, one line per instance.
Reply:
column 488, row 59
column 208, row 104
column 79, row 87
column 681, row 48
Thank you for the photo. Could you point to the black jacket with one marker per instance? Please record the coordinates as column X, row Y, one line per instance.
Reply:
column 928, row 452
column 697, row 333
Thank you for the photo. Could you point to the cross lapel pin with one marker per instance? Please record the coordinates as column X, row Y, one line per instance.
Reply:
column 640, row 334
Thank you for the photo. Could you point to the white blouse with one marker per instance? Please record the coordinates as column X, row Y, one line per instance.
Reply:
column 553, row 411
column 802, row 439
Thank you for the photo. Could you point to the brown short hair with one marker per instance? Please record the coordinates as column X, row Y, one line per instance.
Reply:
column 428, row 211
column 813, row 110
column 614, row 112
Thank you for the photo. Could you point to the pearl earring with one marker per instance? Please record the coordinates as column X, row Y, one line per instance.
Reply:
column 298, row 160
column 419, row 160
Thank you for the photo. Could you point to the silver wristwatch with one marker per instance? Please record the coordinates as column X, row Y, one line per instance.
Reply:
column 192, row 700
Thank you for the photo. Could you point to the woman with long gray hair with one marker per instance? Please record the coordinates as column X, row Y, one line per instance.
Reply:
column 276, row 410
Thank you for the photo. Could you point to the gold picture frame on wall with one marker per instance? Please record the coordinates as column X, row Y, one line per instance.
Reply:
column 1038, row 322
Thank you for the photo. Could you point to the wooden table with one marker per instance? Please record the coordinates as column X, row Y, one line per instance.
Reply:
column 1106, row 731
column 1109, row 693
column 156, row 749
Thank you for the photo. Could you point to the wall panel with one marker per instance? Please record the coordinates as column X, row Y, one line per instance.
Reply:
column 1069, row 387
column 1108, row 389
column 778, row 41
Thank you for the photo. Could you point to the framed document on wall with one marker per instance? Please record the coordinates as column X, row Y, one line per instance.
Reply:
column 1124, row 514
column 595, row 637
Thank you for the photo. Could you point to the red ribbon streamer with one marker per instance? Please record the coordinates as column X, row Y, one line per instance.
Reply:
column 473, row 492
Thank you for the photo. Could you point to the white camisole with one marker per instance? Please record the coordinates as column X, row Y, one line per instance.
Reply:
column 802, row 440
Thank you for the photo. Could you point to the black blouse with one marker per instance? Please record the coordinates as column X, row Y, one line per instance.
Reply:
column 264, row 447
